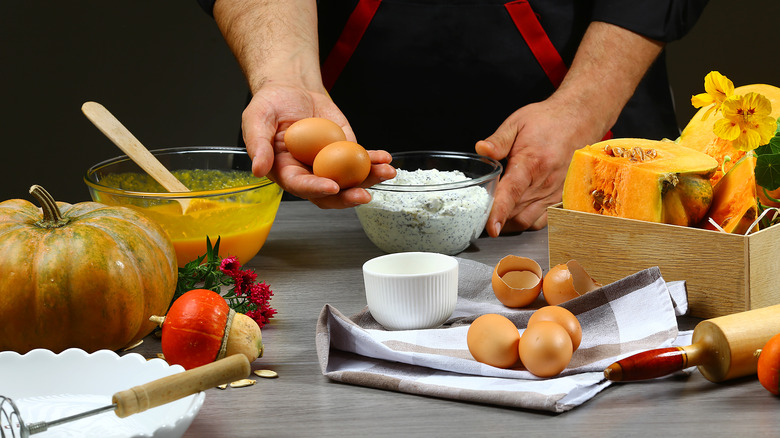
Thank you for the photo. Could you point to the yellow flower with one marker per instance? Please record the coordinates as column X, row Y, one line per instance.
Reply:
column 746, row 121
column 718, row 88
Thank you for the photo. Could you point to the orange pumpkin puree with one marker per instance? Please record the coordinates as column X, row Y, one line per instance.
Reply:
column 247, row 228
column 240, row 220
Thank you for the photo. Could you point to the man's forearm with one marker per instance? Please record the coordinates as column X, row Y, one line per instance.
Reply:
column 272, row 39
column 609, row 64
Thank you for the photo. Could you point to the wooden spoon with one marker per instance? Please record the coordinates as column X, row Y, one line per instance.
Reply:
column 126, row 141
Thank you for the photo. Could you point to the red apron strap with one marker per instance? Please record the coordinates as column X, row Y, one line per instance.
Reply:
column 534, row 35
column 348, row 41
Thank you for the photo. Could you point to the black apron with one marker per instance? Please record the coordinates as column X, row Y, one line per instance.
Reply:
column 440, row 75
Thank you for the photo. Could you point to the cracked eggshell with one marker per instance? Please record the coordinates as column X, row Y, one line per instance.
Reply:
column 567, row 281
column 517, row 281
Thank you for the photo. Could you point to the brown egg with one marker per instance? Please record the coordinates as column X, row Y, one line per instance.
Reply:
column 562, row 317
column 565, row 282
column 545, row 349
column 517, row 281
column 493, row 340
column 345, row 162
column 306, row 137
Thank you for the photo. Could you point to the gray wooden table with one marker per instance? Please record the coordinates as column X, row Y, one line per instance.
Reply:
column 313, row 257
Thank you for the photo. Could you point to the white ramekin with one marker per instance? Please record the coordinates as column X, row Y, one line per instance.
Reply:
column 411, row 290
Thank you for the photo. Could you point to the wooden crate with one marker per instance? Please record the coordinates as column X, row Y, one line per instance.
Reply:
column 725, row 273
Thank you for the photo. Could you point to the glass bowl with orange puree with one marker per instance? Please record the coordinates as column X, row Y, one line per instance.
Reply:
column 226, row 201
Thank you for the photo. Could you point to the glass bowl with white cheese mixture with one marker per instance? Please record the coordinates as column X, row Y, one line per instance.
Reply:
column 438, row 202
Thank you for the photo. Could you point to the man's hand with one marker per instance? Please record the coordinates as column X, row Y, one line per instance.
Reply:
column 539, row 139
column 273, row 108
column 275, row 42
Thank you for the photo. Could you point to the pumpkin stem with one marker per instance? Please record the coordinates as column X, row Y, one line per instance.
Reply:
column 157, row 319
column 670, row 182
column 52, row 216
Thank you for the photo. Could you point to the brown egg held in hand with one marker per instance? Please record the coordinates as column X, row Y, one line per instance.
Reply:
column 306, row 137
column 562, row 317
column 565, row 282
column 493, row 340
column 545, row 349
column 345, row 162
column 517, row 281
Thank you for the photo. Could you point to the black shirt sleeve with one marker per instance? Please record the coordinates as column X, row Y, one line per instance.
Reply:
column 208, row 6
column 661, row 20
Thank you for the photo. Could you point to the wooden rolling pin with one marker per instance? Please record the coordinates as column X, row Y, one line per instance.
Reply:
column 723, row 348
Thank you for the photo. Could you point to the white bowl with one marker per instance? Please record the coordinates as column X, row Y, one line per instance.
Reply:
column 47, row 386
column 411, row 290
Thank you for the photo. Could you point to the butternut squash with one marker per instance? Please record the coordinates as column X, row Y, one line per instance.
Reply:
column 656, row 181
column 734, row 206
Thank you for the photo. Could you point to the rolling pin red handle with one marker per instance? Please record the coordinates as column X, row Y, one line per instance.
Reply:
column 648, row 365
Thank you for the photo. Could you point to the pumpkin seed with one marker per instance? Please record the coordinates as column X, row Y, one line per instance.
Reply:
column 640, row 153
column 222, row 386
column 242, row 383
column 266, row 374
column 128, row 348
column 160, row 356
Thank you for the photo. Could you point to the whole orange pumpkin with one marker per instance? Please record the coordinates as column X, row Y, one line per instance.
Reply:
column 84, row 275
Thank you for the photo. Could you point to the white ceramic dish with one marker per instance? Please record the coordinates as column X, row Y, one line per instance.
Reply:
column 411, row 290
column 47, row 386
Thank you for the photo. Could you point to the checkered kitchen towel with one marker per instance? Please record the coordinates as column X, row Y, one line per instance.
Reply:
column 631, row 315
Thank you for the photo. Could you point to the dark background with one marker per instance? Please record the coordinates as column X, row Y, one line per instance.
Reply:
column 163, row 69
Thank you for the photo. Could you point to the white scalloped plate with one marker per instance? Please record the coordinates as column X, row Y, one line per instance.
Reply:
column 47, row 386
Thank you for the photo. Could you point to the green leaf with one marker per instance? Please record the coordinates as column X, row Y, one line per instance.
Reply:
column 768, row 171
column 768, row 162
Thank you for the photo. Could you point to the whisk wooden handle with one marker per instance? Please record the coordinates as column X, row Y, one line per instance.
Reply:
column 176, row 386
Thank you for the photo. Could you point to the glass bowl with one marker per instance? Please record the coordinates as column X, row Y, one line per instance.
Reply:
column 409, row 214
column 226, row 201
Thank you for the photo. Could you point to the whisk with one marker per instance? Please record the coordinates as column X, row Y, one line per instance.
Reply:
column 136, row 399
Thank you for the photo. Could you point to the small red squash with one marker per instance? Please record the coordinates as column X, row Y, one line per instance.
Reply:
column 768, row 366
column 84, row 275
column 200, row 328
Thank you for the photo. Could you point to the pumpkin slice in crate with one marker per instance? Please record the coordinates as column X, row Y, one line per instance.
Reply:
column 656, row 181
column 734, row 206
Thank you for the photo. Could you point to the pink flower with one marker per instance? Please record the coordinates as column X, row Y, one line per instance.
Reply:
column 244, row 281
column 262, row 315
column 230, row 266
column 260, row 293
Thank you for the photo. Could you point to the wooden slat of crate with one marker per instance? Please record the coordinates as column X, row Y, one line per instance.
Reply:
column 725, row 273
